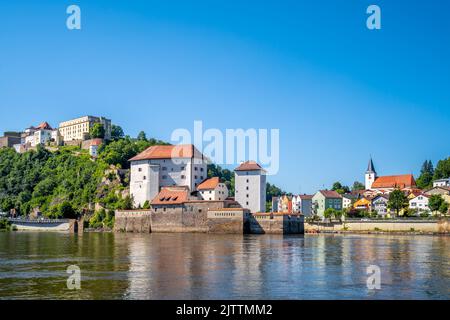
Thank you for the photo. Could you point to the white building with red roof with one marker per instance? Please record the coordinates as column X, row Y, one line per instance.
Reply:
column 213, row 190
column 250, row 186
column 165, row 166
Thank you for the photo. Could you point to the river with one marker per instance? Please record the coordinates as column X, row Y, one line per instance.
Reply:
column 201, row 266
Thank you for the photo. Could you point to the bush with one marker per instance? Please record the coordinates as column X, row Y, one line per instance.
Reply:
column 5, row 225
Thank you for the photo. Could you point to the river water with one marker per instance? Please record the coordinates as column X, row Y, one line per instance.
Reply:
column 200, row 266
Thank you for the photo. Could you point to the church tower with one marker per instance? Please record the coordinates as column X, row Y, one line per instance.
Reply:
column 371, row 175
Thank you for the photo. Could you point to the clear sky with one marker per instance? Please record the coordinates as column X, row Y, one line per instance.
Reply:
column 337, row 91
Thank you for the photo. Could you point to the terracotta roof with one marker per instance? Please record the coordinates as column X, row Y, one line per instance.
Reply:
column 249, row 166
column 330, row 194
column 209, row 184
column 96, row 142
column 44, row 126
column 185, row 151
column 171, row 195
column 306, row 196
column 400, row 181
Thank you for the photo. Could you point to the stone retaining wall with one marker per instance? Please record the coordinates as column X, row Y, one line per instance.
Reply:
column 442, row 226
column 276, row 224
column 228, row 221
column 138, row 221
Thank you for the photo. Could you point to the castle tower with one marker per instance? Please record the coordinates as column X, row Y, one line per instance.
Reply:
column 370, row 175
column 250, row 186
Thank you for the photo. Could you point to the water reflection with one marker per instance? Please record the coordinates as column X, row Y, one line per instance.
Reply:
column 199, row 266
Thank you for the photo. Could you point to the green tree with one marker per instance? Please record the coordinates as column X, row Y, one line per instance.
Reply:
column 435, row 202
column 146, row 205
column 442, row 169
column 443, row 209
column 426, row 175
column 397, row 201
column 142, row 136
column 329, row 213
column 117, row 132
column 358, row 186
column 97, row 131
column 339, row 188
column 338, row 214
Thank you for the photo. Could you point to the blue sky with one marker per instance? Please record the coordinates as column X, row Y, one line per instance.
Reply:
column 337, row 91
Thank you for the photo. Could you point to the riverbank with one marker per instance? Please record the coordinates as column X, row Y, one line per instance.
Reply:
column 416, row 227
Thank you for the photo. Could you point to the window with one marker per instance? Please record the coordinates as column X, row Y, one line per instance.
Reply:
column 140, row 170
column 183, row 177
column 247, row 180
column 145, row 178
column 247, row 203
column 164, row 168
column 195, row 168
column 201, row 169
column 247, row 188
column 196, row 177
column 164, row 177
column 247, row 195
column 182, row 168
column 201, row 177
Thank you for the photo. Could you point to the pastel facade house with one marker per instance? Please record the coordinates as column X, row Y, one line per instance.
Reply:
column 386, row 184
column 443, row 191
column 363, row 204
column 212, row 189
column 302, row 204
column 165, row 166
column 380, row 205
column 325, row 199
column 250, row 186
column 441, row 183
column 348, row 200
column 275, row 201
column 420, row 202
column 285, row 204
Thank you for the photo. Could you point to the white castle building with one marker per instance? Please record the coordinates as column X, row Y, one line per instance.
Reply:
column 250, row 186
column 165, row 166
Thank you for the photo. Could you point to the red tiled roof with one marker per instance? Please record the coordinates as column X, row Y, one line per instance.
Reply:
column 186, row 151
column 249, row 166
column 306, row 196
column 96, row 142
column 44, row 126
column 171, row 195
column 330, row 194
column 400, row 181
column 209, row 184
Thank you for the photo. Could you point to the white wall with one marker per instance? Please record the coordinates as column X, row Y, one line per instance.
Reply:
column 164, row 173
column 220, row 193
column 250, row 190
